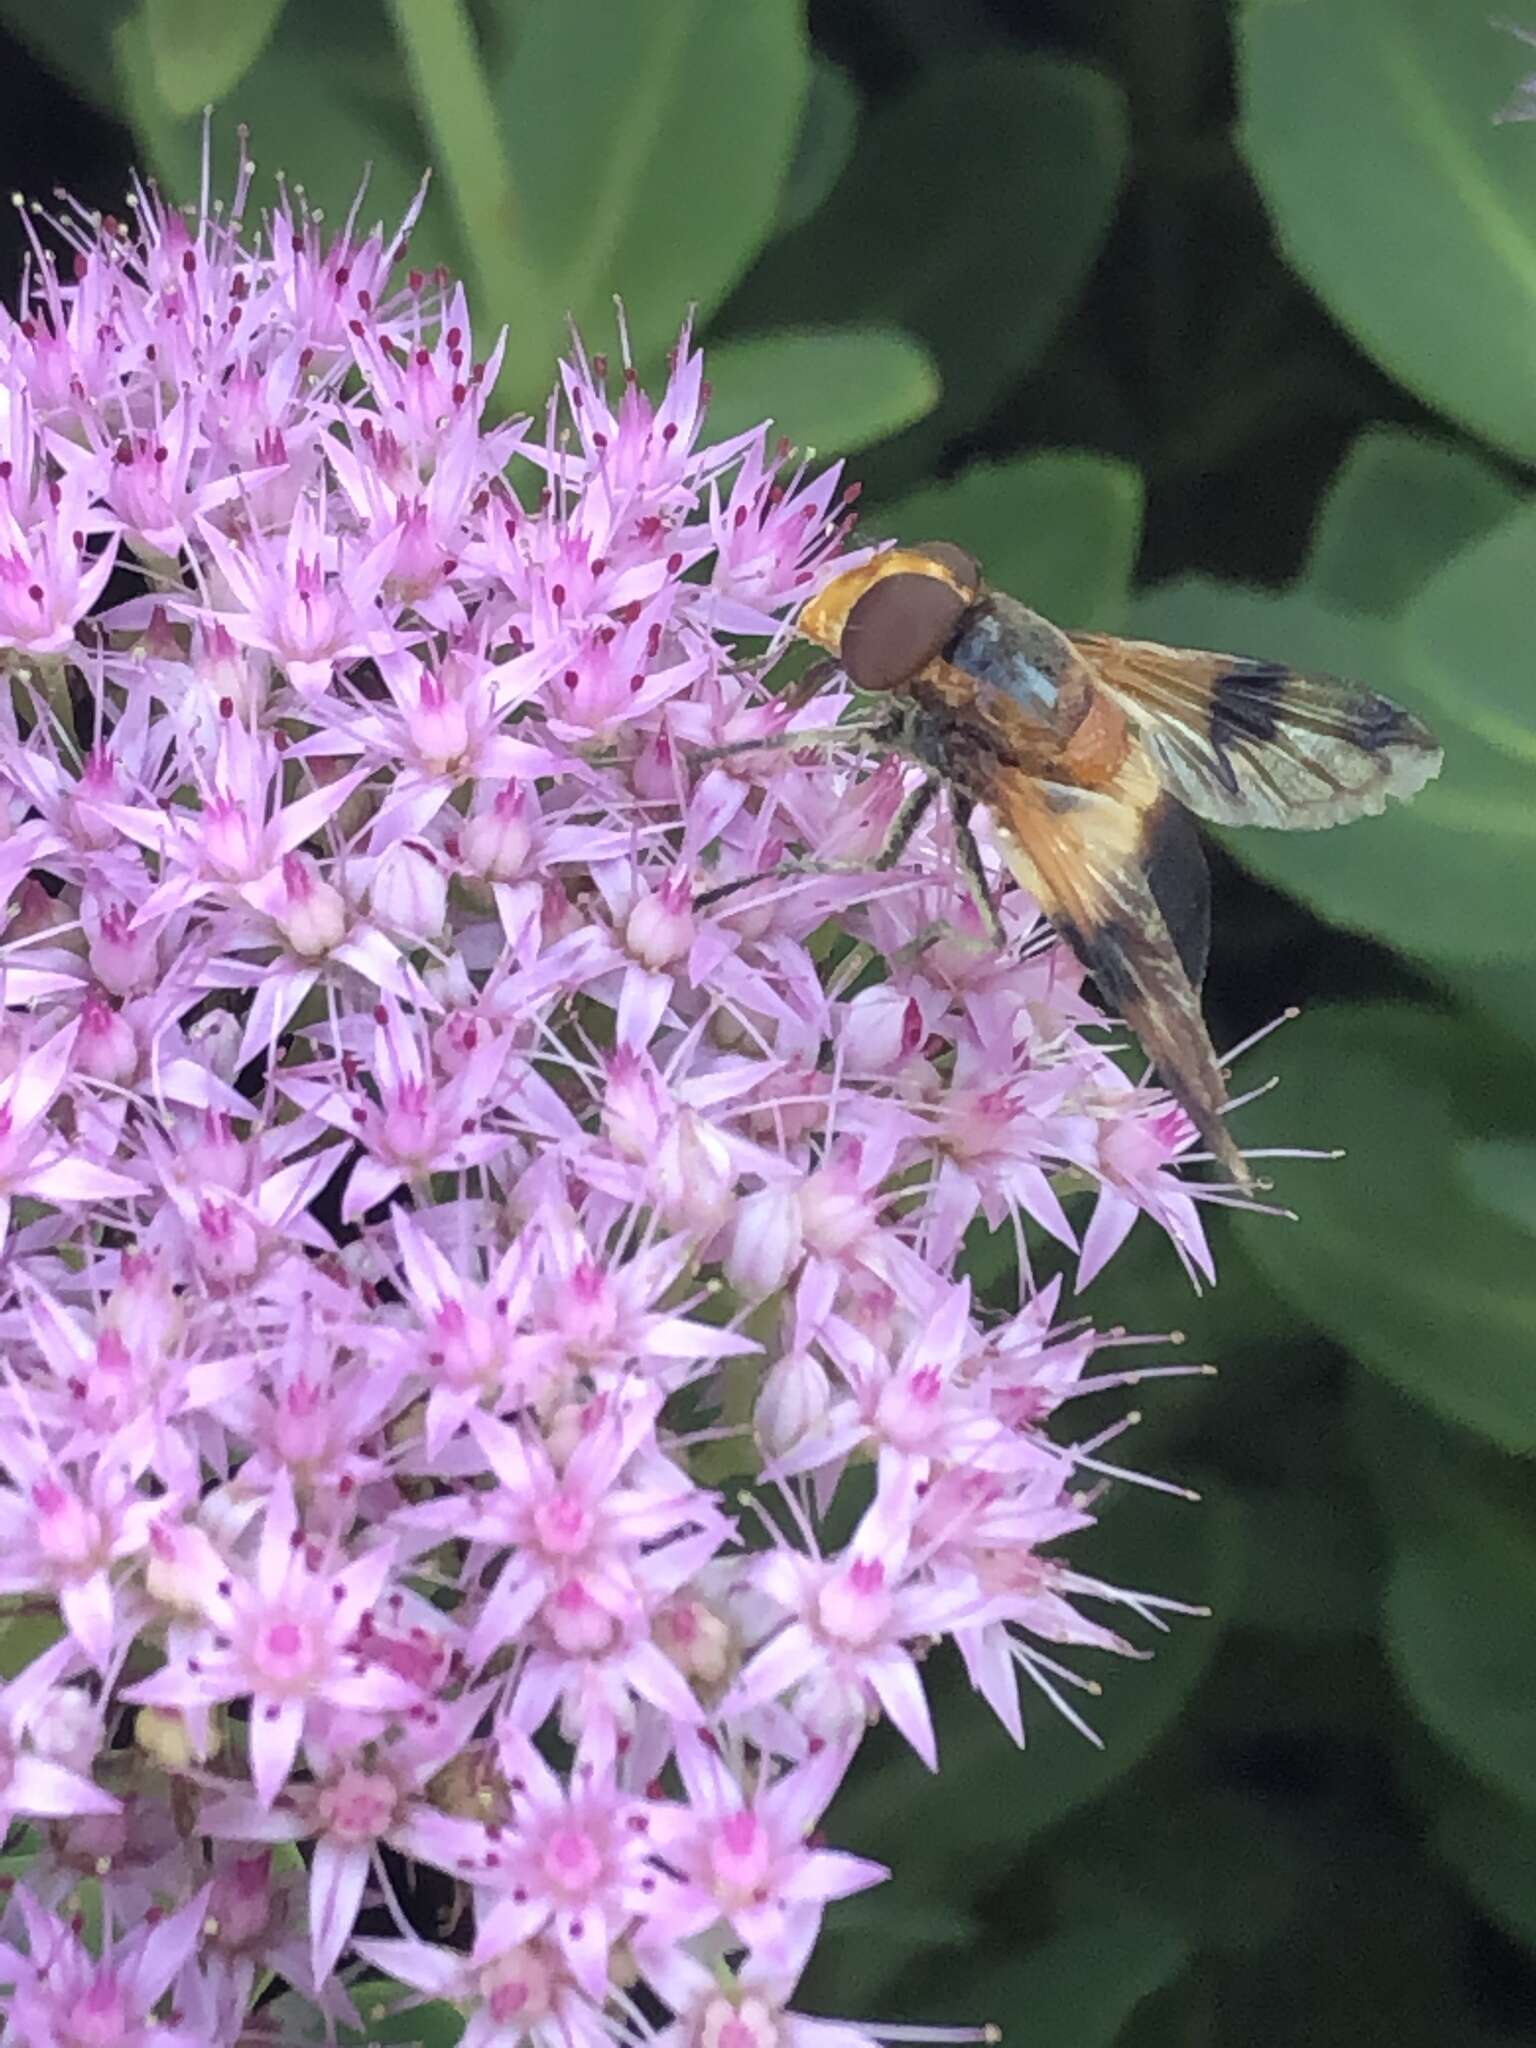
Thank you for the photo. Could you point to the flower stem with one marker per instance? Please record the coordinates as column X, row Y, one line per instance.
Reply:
column 460, row 115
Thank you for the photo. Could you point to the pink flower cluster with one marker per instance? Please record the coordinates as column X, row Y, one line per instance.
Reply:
column 423, row 1210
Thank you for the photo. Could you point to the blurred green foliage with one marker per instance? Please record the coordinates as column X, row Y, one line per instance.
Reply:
column 1241, row 297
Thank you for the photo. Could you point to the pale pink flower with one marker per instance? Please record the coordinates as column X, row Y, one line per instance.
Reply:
column 60, row 1992
column 34, row 1784
column 283, row 1638
column 433, row 1218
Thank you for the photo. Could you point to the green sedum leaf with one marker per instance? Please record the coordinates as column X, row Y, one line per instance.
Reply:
column 1368, row 124
column 24, row 1637
column 1059, row 531
column 391, row 2015
column 1461, row 1633
column 1468, row 639
column 1389, row 1256
column 199, row 50
column 1501, row 1172
column 650, row 146
column 303, row 124
column 1398, row 508
column 71, row 41
column 1492, row 1847
column 1188, row 1846
column 1078, row 1989
column 969, row 216
column 831, row 389
column 829, row 123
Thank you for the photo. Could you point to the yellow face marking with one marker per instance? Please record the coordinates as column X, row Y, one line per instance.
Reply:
column 823, row 619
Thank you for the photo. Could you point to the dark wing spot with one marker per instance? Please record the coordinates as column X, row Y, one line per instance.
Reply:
column 1379, row 724
column 1173, row 860
column 896, row 629
column 1246, row 703
column 1106, row 952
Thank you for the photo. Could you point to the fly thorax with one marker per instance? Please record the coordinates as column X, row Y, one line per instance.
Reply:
column 1003, row 644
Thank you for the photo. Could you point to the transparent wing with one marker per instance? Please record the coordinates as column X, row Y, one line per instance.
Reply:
column 1254, row 743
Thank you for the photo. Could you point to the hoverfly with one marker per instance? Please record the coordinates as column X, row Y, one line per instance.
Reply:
column 1090, row 753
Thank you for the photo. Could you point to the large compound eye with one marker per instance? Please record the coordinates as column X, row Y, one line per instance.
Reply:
column 965, row 568
column 896, row 628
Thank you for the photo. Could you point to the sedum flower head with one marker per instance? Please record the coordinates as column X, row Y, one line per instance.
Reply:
column 423, row 1201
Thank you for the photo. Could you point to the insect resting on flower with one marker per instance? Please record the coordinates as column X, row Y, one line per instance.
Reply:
column 1090, row 753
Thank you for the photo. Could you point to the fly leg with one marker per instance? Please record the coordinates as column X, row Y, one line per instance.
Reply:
column 865, row 734
column 974, row 875
column 913, row 810
column 973, row 870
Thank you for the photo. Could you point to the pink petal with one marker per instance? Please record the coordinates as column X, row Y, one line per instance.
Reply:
column 276, row 1726
column 88, row 1615
column 274, row 1553
column 241, row 1817
column 832, row 1874
column 168, row 1946
column 370, row 1182
column 37, row 1080
column 777, row 1666
column 1108, row 1228
column 278, row 994
column 39, row 1787
column 440, row 1972
column 337, row 1876
column 76, row 1180
column 583, row 1938
column 900, row 1691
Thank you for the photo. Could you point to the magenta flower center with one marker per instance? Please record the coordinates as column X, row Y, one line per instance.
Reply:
column 855, row 1605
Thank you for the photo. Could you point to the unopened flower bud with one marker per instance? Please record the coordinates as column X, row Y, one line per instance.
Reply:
column 105, row 1047
column 835, row 1213
column 578, row 1625
column 660, row 927
column 122, row 956
column 564, row 1434
column 224, row 1243
column 517, row 1988
column 409, row 893
column 144, row 1305
column 793, row 1404
column 695, row 1176
column 635, row 1105
column 182, row 1566
column 244, row 1908
column 227, row 672
column 437, row 727
column 170, row 1739
column 65, row 1727
column 214, row 1042
column 697, row 1640
column 766, row 1243
column 311, row 915
column 748, row 2022
column 653, row 771
column 357, row 1806
column 883, row 1027
column 496, row 843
